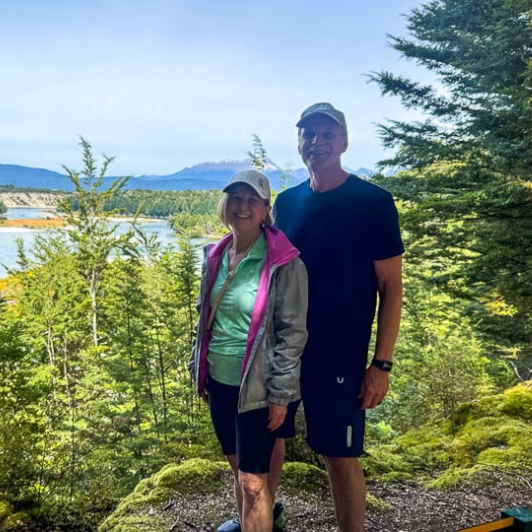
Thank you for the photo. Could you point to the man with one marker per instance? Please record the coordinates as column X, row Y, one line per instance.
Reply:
column 347, row 231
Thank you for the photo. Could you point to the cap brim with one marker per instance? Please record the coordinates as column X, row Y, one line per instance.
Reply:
column 310, row 115
column 258, row 190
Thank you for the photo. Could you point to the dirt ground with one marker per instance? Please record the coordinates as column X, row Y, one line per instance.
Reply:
column 415, row 509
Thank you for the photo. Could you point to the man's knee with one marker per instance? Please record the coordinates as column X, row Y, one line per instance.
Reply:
column 343, row 467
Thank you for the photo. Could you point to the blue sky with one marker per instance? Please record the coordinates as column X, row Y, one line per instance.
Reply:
column 164, row 84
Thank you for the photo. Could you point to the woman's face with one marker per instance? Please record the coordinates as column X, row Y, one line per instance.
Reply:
column 246, row 210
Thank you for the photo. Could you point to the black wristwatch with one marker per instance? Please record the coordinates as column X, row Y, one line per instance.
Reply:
column 384, row 365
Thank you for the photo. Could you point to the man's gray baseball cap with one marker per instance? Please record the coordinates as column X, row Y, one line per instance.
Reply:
column 322, row 108
column 257, row 181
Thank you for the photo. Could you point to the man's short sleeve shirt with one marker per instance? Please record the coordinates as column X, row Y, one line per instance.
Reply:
column 339, row 234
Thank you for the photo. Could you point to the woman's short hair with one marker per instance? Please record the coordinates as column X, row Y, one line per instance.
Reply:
column 222, row 211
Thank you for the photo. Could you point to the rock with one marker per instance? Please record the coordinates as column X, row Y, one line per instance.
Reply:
column 31, row 199
column 198, row 495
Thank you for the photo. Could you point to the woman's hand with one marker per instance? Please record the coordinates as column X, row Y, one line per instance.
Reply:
column 205, row 395
column 276, row 415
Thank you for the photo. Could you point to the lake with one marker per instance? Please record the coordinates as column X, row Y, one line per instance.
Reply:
column 8, row 235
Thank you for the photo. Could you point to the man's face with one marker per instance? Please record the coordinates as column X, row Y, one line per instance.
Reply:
column 321, row 143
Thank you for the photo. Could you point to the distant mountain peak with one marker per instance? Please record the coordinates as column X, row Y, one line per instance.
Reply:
column 203, row 176
column 223, row 166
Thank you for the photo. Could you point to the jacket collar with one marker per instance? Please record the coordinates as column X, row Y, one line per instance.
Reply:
column 280, row 249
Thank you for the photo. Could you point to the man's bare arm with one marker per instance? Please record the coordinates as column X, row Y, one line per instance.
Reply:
column 390, row 288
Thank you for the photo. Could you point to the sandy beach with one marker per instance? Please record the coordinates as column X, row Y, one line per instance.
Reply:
column 33, row 223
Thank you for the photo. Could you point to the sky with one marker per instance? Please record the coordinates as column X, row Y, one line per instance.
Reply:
column 167, row 84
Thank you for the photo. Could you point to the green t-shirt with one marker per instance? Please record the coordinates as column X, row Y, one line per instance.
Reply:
column 227, row 347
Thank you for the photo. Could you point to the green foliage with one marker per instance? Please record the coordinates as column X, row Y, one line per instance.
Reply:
column 490, row 436
column 20, row 389
column 440, row 362
column 467, row 184
column 94, row 348
column 480, row 54
column 257, row 154
column 259, row 160
column 3, row 208
column 298, row 476
column 159, row 204
column 197, row 225
column 190, row 212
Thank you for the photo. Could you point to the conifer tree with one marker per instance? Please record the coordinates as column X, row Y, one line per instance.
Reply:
column 92, row 230
column 469, row 163
column 257, row 154
column 481, row 57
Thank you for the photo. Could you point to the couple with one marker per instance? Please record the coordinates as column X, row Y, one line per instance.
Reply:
column 343, row 232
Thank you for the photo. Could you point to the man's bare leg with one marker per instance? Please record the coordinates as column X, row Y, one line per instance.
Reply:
column 231, row 458
column 256, row 502
column 276, row 466
column 348, row 488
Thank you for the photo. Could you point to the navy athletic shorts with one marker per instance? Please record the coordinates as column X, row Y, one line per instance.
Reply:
column 247, row 434
column 335, row 422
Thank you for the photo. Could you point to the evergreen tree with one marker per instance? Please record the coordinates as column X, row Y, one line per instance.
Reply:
column 468, row 177
column 22, row 388
column 480, row 53
column 90, row 225
column 257, row 154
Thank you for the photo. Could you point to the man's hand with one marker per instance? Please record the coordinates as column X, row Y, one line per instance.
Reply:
column 276, row 416
column 374, row 387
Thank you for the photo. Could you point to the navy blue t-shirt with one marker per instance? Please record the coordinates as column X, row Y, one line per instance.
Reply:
column 339, row 234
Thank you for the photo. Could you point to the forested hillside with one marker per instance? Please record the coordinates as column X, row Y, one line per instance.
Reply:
column 190, row 211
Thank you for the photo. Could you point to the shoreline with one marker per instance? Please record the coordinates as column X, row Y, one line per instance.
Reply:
column 31, row 199
column 58, row 221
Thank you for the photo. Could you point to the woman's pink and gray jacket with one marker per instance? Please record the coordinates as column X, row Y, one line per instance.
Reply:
column 277, row 334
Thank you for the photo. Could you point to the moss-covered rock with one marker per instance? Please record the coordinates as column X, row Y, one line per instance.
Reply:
column 204, row 489
column 197, row 494
column 492, row 434
column 142, row 510
column 193, row 476
column 297, row 477
column 515, row 402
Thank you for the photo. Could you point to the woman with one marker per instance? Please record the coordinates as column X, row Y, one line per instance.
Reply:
column 251, row 333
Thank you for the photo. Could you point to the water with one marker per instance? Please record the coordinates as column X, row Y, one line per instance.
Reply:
column 8, row 235
column 17, row 213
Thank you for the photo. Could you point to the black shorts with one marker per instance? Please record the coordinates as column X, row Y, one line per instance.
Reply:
column 335, row 422
column 247, row 434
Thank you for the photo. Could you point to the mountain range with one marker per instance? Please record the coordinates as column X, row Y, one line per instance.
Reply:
column 203, row 176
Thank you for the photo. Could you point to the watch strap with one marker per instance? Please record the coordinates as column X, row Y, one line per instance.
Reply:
column 384, row 365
